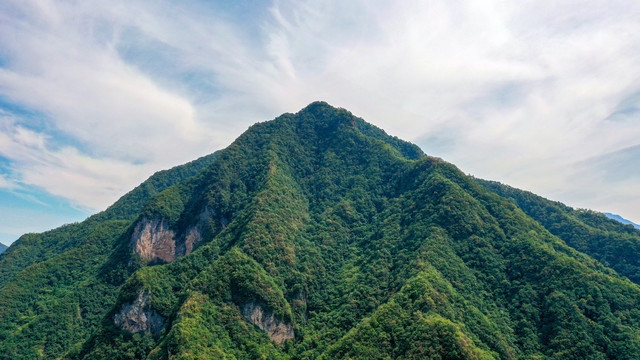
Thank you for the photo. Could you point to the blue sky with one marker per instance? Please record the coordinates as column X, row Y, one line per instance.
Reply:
column 95, row 96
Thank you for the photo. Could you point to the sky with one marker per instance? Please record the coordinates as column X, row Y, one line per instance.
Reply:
column 95, row 96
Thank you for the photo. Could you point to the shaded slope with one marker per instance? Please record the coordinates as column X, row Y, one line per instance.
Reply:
column 321, row 240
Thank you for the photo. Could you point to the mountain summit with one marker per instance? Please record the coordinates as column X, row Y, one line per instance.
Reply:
column 318, row 236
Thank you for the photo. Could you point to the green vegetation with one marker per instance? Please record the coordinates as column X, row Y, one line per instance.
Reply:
column 52, row 285
column 614, row 244
column 34, row 248
column 321, row 237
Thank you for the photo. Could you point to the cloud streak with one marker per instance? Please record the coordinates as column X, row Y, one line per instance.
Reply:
column 6, row 183
column 522, row 92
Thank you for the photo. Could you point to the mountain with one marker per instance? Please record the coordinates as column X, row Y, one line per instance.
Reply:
column 621, row 219
column 3, row 247
column 318, row 236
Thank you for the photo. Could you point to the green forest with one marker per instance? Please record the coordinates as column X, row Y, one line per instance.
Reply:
column 318, row 236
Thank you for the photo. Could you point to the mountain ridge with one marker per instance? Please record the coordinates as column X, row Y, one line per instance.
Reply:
column 317, row 235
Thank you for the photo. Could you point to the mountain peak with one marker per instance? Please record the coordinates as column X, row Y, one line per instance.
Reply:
column 319, row 107
column 321, row 111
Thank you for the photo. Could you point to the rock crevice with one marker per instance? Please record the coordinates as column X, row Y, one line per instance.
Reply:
column 278, row 330
column 138, row 316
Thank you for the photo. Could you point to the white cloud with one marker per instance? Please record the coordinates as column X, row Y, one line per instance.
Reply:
column 514, row 91
column 6, row 183
column 92, row 95
column 85, row 181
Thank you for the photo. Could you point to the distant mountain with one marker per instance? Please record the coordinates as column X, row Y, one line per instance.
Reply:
column 318, row 236
column 3, row 247
column 622, row 220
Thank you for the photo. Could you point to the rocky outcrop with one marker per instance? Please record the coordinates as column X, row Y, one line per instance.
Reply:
column 194, row 236
column 152, row 240
column 278, row 330
column 138, row 316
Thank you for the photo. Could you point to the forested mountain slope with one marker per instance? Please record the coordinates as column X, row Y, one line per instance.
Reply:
column 52, row 292
column 614, row 244
column 318, row 236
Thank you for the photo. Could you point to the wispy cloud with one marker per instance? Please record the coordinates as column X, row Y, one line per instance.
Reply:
column 86, row 181
column 5, row 183
column 521, row 92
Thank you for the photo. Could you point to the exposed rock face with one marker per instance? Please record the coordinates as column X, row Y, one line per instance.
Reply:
column 194, row 236
column 153, row 240
column 277, row 330
column 139, row 317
